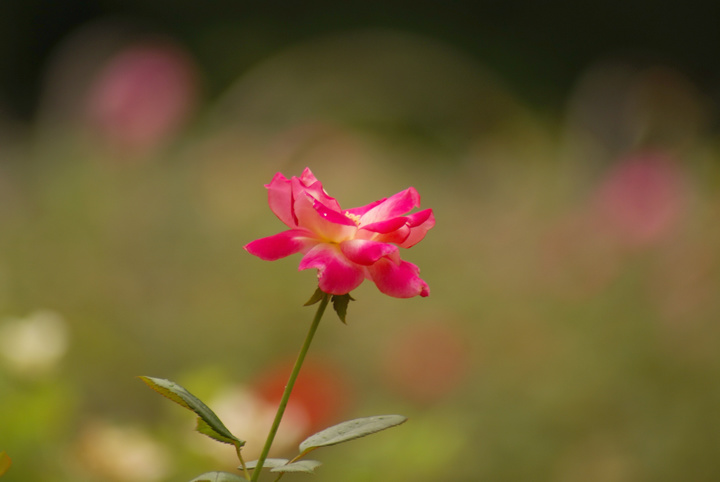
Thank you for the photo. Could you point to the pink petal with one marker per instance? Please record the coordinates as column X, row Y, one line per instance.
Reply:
column 420, row 217
column 398, row 236
column 394, row 206
column 282, row 193
column 363, row 209
column 314, row 187
column 280, row 245
column 307, row 177
column 386, row 226
column 398, row 280
column 405, row 231
column 330, row 215
column 420, row 223
column 280, row 199
column 321, row 220
column 365, row 252
column 336, row 274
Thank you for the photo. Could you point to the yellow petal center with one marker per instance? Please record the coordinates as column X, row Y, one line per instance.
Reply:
column 354, row 217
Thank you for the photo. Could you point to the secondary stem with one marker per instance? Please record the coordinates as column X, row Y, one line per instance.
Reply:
column 242, row 462
column 288, row 388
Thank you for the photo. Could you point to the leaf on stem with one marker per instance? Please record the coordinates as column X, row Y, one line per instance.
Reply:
column 269, row 463
column 218, row 477
column 317, row 296
column 205, row 429
column 350, row 430
column 340, row 305
column 284, row 465
column 304, row 466
column 208, row 422
column 5, row 462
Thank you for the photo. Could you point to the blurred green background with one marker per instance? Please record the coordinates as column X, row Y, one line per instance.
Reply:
column 569, row 151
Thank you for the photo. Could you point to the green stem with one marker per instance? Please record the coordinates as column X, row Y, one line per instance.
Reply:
column 288, row 388
column 242, row 462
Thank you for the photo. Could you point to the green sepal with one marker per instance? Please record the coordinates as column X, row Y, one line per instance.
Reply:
column 5, row 463
column 208, row 422
column 317, row 296
column 340, row 305
column 218, row 477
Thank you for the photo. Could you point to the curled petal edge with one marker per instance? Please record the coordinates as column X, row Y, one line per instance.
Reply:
column 405, row 231
column 280, row 199
column 308, row 183
column 419, row 223
column 396, row 205
column 398, row 280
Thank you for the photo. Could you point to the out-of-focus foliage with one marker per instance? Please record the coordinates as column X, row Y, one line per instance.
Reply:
column 571, row 332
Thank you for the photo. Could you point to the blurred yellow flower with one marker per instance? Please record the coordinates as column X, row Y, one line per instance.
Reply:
column 122, row 454
column 35, row 344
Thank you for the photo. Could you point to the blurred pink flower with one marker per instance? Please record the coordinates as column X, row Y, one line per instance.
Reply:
column 142, row 96
column 642, row 198
column 346, row 246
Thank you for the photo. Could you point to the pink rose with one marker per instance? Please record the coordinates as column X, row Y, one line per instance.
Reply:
column 346, row 246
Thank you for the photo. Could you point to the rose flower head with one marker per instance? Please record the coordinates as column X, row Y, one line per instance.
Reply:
column 346, row 246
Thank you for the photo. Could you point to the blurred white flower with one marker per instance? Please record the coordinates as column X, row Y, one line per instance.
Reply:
column 122, row 453
column 34, row 344
column 249, row 417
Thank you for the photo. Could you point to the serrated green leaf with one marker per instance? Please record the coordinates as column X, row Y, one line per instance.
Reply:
column 218, row 477
column 205, row 429
column 167, row 389
column 305, row 466
column 5, row 463
column 340, row 305
column 317, row 296
column 350, row 430
column 269, row 463
column 209, row 422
